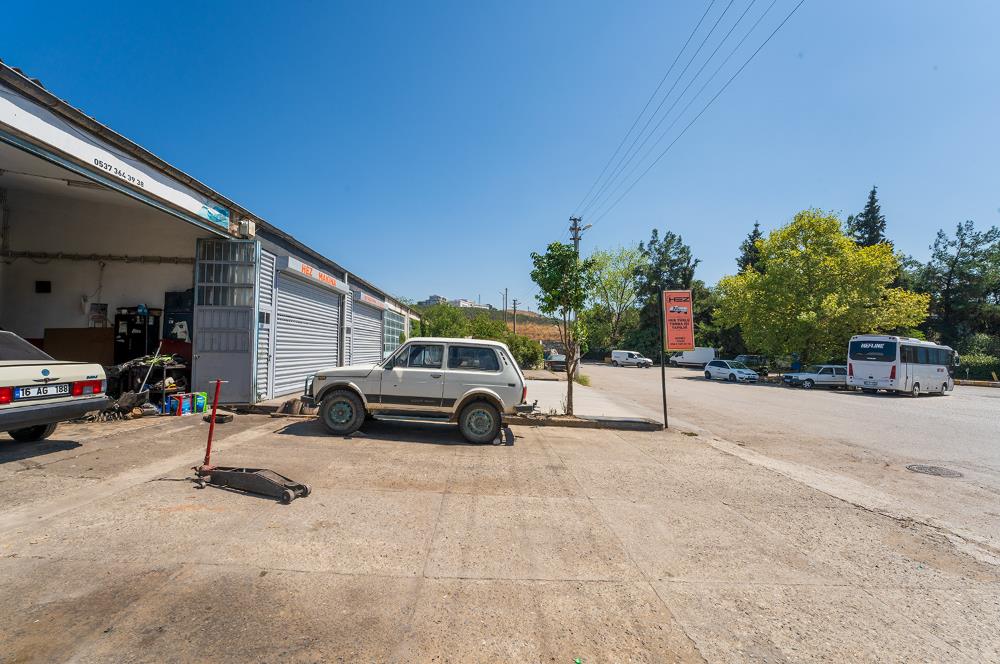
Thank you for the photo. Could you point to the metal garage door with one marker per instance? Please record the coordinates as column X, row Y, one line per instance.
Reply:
column 367, row 333
column 265, row 323
column 306, row 332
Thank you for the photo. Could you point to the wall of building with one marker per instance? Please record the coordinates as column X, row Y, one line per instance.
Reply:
column 92, row 223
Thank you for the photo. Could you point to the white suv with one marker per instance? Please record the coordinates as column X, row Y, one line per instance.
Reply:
column 469, row 381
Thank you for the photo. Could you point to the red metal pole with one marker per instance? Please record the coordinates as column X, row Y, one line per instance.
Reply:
column 211, row 427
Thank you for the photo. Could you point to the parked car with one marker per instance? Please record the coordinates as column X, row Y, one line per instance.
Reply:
column 469, row 381
column 730, row 370
column 758, row 363
column 698, row 357
column 817, row 375
column 556, row 363
column 629, row 358
column 37, row 392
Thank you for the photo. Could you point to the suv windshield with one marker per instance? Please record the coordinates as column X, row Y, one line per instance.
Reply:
column 13, row 347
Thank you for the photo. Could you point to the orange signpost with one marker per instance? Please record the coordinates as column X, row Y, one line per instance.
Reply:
column 678, row 320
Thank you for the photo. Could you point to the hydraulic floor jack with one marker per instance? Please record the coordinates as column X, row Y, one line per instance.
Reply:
column 261, row 481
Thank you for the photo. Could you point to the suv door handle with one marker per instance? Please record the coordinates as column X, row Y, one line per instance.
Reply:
column 436, row 375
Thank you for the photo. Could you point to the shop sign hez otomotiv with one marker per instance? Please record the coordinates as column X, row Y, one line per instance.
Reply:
column 678, row 320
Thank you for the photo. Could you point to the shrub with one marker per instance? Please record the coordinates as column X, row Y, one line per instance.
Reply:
column 527, row 352
column 978, row 366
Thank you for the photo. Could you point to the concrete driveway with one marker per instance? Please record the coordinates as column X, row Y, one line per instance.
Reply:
column 415, row 546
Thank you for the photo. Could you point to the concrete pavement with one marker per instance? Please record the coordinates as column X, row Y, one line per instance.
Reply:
column 415, row 546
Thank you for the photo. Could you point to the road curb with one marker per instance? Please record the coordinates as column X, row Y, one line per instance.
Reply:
column 976, row 383
column 588, row 422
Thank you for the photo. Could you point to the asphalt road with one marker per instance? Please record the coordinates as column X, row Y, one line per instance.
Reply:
column 868, row 438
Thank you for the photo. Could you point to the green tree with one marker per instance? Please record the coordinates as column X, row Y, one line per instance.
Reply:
column 820, row 287
column 867, row 228
column 615, row 293
column 750, row 250
column 482, row 326
column 564, row 282
column 963, row 280
column 444, row 320
column 668, row 264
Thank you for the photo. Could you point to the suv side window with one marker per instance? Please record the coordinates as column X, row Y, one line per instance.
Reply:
column 825, row 371
column 840, row 371
column 472, row 358
column 424, row 356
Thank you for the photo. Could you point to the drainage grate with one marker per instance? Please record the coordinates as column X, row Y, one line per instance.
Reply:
column 937, row 471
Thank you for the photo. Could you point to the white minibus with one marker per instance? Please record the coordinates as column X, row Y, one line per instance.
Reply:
column 900, row 364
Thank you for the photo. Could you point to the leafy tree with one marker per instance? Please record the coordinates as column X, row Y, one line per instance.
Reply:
column 444, row 320
column 485, row 327
column 564, row 282
column 868, row 227
column 819, row 288
column 615, row 291
column 963, row 279
column 750, row 251
column 668, row 264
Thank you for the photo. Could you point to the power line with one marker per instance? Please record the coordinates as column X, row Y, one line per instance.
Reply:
column 611, row 192
column 625, row 158
column 701, row 112
column 648, row 102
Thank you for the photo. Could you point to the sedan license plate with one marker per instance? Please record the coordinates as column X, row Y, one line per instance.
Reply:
column 871, row 383
column 41, row 391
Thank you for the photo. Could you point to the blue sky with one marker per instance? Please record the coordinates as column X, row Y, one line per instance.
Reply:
column 432, row 146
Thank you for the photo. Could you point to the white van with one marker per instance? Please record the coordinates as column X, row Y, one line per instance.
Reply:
column 698, row 357
column 900, row 364
column 629, row 358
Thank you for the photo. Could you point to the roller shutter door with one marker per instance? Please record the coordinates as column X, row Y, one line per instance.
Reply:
column 265, row 324
column 306, row 332
column 367, row 333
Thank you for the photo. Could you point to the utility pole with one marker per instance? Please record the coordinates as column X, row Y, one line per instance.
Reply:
column 575, row 231
column 504, row 294
column 515, row 315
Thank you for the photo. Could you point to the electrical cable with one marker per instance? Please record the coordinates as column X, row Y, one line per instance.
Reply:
column 626, row 158
column 648, row 102
column 702, row 111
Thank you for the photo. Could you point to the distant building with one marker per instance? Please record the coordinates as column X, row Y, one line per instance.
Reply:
column 433, row 299
column 469, row 303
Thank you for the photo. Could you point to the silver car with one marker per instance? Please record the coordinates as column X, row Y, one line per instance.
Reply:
column 817, row 375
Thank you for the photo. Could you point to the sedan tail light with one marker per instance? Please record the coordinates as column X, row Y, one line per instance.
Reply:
column 6, row 394
column 83, row 387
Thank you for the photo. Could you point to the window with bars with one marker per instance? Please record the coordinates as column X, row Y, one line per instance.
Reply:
column 394, row 329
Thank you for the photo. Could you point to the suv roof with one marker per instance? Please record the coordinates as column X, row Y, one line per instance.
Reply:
column 457, row 340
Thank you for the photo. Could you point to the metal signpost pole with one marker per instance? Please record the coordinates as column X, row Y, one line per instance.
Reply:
column 663, row 357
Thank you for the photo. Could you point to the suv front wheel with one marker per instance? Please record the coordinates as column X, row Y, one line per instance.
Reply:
column 479, row 422
column 342, row 412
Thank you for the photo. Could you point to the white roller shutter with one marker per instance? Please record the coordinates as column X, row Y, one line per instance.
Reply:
column 265, row 323
column 306, row 333
column 367, row 333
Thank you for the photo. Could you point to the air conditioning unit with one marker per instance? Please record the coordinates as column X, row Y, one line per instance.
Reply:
column 248, row 228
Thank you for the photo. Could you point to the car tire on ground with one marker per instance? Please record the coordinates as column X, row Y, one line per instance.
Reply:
column 944, row 389
column 479, row 422
column 342, row 412
column 614, row 363
column 33, row 434
column 708, row 375
column 915, row 391
column 808, row 384
column 732, row 378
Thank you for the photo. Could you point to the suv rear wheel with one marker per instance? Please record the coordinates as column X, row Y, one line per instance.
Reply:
column 342, row 412
column 479, row 422
column 32, row 434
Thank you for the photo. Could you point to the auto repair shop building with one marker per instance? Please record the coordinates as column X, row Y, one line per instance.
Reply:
column 106, row 251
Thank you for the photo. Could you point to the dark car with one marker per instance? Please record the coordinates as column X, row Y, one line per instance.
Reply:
column 556, row 363
column 758, row 363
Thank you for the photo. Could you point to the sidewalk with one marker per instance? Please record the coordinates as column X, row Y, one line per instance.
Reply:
column 587, row 401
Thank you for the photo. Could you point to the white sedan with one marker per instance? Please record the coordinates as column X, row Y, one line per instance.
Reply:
column 37, row 392
column 730, row 370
